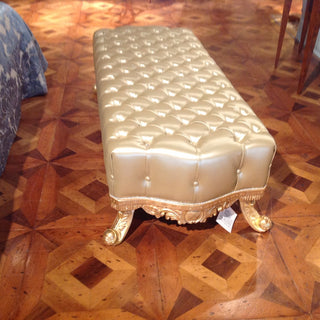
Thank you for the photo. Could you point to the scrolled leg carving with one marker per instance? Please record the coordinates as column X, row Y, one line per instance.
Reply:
column 256, row 221
column 119, row 229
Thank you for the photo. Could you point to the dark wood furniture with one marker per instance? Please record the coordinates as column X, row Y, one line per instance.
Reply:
column 310, row 28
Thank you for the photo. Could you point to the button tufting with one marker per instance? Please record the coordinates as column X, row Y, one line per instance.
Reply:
column 111, row 89
column 109, row 77
column 136, row 108
column 213, row 128
column 194, row 140
column 168, row 131
column 120, row 117
column 184, row 121
column 239, row 136
column 142, row 123
column 186, row 86
column 244, row 112
column 132, row 94
column 147, row 139
column 155, row 100
column 228, row 119
column 164, row 91
column 150, row 86
column 121, row 133
column 255, row 129
column 115, row 102
column 208, row 91
column 193, row 99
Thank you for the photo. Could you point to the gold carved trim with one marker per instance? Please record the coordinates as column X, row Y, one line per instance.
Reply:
column 256, row 221
column 185, row 212
column 119, row 229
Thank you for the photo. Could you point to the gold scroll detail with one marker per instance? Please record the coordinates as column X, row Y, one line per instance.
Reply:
column 184, row 212
column 182, row 216
column 119, row 229
column 256, row 221
column 220, row 203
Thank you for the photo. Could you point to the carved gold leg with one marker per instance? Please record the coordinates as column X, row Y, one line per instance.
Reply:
column 255, row 220
column 119, row 229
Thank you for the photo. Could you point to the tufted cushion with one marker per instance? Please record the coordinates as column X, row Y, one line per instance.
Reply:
column 173, row 126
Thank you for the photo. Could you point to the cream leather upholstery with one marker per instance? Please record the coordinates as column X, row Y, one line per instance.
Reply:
column 175, row 132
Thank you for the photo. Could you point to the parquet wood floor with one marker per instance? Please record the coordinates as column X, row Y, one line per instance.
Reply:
column 54, row 203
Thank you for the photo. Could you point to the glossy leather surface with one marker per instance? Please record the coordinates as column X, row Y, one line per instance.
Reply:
column 173, row 126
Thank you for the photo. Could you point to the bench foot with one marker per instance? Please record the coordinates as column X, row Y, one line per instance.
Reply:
column 119, row 229
column 256, row 221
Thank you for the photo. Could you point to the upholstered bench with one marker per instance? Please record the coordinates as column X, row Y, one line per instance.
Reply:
column 178, row 139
